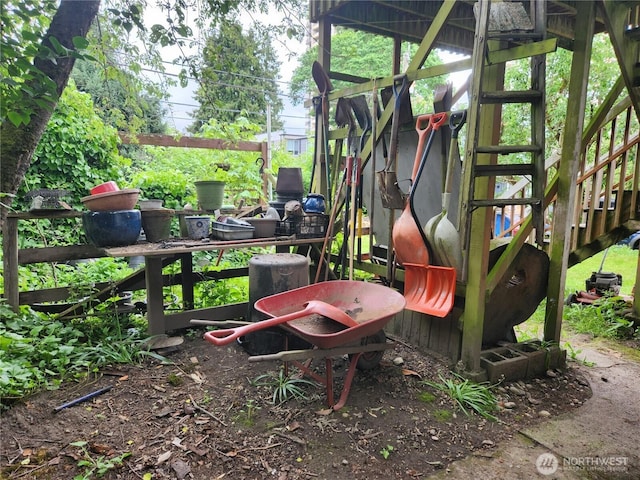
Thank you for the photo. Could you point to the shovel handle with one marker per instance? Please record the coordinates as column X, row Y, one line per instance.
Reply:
column 457, row 121
column 226, row 336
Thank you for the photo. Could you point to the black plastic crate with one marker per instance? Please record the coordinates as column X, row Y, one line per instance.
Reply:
column 307, row 226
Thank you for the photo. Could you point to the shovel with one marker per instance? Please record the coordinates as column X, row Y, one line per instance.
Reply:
column 225, row 337
column 390, row 193
column 441, row 233
column 427, row 289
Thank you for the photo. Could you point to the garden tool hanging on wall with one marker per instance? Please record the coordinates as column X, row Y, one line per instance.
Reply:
column 391, row 195
column 442, row 235
column 323, row 156
column 428, row 288
column 363, row 116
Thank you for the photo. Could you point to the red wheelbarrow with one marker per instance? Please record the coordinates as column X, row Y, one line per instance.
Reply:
column 341, row 317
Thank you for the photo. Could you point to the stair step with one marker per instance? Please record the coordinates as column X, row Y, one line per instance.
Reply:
column 514, row 36
column 513, row 96
column 504, row 202
column 503, row 170
column 507, row 149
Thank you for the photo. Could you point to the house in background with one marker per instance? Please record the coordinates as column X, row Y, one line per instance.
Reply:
column 291, row 143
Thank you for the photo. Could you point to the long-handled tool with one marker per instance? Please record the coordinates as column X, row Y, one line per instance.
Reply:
column 428, row 288
column 387, row 178
column 441, row 233
column 363, row 116
column 318, row 307
column 323, row 82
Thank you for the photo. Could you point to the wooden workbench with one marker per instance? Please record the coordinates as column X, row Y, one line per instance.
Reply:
column 182, row 249
column 155, row 255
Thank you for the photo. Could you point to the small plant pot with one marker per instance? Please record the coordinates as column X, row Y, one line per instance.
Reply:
column 210, row 194
column 150, row 204
column 157, row 224
column 198, row 226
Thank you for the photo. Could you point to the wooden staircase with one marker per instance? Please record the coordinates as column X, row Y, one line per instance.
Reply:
column 609, row 174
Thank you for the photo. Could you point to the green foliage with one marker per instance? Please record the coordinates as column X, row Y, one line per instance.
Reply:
column 99, row 465
column 75, row 140
column 573, row 355
column 515, row 122
column 25, row 88
column 247, row 415
column 169, row 186
column 122, row 99
column 284, row 387
column 442, row 415
column 386, row 451
column 604, row 318
column 38, row 352
column 363, row 55
column 238, row 77
column 468, row 394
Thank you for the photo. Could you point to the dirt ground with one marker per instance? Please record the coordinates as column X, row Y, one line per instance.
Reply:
column 201, row 417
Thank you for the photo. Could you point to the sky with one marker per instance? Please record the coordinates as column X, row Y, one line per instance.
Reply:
column 181, row 102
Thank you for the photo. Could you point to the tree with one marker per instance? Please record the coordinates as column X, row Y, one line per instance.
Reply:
column 41, row 40
column 121, row 101
column 364, row 55
column 238, row 77
column 40, row 89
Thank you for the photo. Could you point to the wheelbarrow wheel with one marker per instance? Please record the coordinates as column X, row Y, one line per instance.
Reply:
column 369, row 360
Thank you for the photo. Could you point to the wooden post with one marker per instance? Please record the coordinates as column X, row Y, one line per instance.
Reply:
column 568, row 170
column 155, row 304
column 10, row 262
column 476, row 291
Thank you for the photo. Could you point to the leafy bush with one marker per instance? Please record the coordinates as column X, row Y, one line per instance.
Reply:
column 38, row 352
column 604, row 318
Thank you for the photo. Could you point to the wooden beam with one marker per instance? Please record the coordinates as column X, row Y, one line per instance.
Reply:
column 627, row 49
column 428, row 42
column 476, row 262
column 568, row 170
column 523, row 51
column 190, row 142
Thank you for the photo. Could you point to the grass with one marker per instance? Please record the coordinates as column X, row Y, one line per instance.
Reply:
column 619, row 259
column 283, row 387
column 468, row 395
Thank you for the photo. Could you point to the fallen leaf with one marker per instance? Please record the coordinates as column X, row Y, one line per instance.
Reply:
column 197, row 377
column 181, row 468
column 231, row 454
column 100, row 449
column 163, row 458
column 326, row 411
column 293, row 426
column 201, row 452
column 410, row 373
column 124, row 378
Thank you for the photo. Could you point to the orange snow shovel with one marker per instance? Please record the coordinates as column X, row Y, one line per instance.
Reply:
column 428, row 288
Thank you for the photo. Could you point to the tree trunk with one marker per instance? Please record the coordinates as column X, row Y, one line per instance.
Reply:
column 72, row 19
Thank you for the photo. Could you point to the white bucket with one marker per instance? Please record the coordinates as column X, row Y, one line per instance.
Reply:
column 198, row 226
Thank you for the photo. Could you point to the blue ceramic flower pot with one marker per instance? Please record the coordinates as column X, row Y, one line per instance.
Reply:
column 116, row 228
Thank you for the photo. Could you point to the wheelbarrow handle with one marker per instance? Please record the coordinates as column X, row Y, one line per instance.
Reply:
column 226, row 336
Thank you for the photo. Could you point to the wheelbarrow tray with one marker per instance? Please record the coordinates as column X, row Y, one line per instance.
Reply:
column 369, row 304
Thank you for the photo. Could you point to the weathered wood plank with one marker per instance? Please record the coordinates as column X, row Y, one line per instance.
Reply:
column 190, row 142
